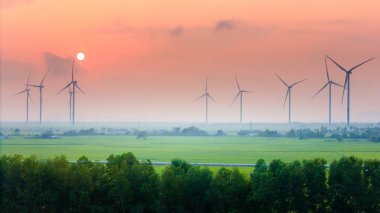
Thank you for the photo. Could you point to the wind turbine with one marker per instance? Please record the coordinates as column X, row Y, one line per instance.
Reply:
column 41, row 86
column 74, row 84
column 206, row 95
column 27, row 91
column 240, row 93
column 329, row 83
column 289, row 93
column 347, row 84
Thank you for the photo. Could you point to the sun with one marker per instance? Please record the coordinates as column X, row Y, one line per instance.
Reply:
column 80, row 56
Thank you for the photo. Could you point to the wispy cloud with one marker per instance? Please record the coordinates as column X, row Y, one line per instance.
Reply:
column 117, row 27
column 336, row 22
column 177, row 31
column 225, row 24
column 60, row 66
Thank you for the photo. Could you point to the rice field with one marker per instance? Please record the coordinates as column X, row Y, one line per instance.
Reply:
column 229, row 149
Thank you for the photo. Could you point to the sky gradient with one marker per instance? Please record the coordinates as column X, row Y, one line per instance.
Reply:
column 148, row 60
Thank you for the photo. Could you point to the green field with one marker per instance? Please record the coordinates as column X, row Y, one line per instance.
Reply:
column 193, row 149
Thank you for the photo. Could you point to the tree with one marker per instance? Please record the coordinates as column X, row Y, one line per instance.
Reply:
column 47, row 134
column 80, row 185
column 142, row 135
column 296, row 196
column 197, row 183
column 219, row 133
column 261, row 196
column 371, row 173
column 17, row 131
column 173, row 198
column 280, row 180
column 315, row 184
column 291, row 134
column 228, row 191
column 346, row 185
column 133, row 186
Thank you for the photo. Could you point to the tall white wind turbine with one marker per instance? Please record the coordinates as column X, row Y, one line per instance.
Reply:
column 347, row 84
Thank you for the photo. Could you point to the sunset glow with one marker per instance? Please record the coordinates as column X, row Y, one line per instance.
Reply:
column 148, row 60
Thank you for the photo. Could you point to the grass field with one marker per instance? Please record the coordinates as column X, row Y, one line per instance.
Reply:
column 193, row 149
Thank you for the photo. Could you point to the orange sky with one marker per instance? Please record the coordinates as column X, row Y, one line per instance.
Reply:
column 148, row 60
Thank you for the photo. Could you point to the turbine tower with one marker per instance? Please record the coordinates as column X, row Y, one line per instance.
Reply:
column 27, row 92
column 70, row 99
column 289, row 93
column 329, row 83
column 41, row 86
column 206, row 95
column 74, row 84
column 70, row 103
column 347, row 84
column 240, row 93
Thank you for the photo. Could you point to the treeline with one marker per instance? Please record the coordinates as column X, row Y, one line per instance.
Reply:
column 177, row 131
column 126, row 185
column 339, row 134
column 369, row 133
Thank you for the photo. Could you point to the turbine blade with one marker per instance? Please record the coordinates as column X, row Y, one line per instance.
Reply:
column 67, row 82
column 336, row 64
column 211, row 98
column 236, row 97
column 237, row 82
column 27, row 83
column 43, row 79
column 361, row 64
column 199, row 97
column 64, row 88
column 32, row 85
column 282, row 80
column 247, row 91
column 29, row 96
column 336, row 84
column 286, row 98
column 72, row 71
column 20, row 92
column 298, row 82
column 344, row 88
column 320, row 90
column 206, row 84
column 327, row 70
column 76, row 85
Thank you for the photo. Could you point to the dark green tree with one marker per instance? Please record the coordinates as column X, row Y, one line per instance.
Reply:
column 346, row 185
column 261, row 196
column 315, row 185
column 197, row 183
column 173, row 198
column 228, row 191
column 371, row 171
